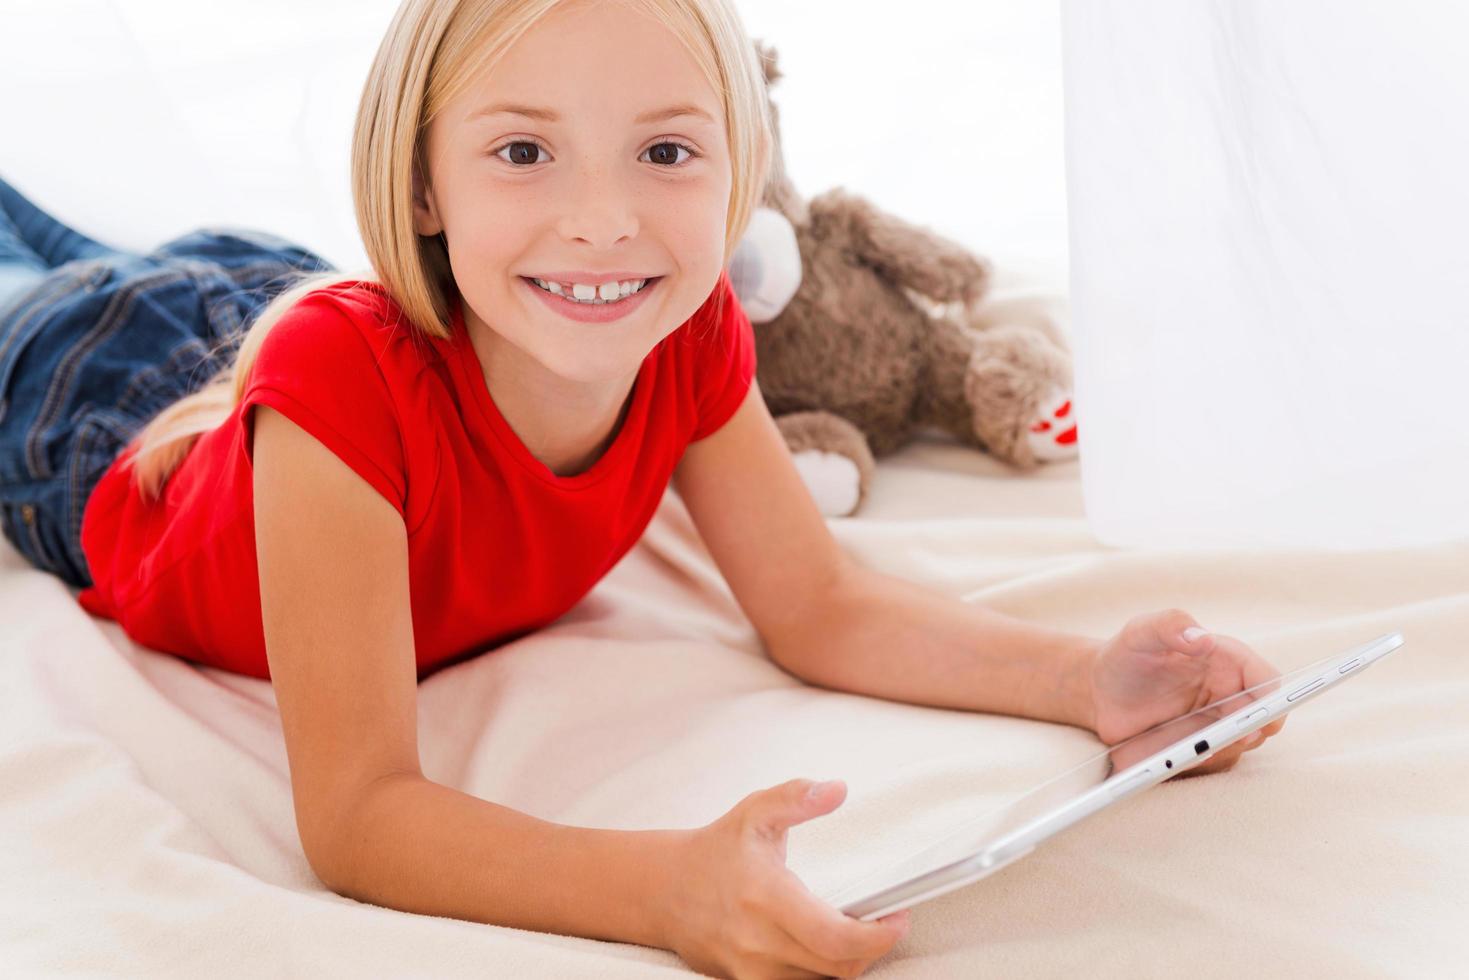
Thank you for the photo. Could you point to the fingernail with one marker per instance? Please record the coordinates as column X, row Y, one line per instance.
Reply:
column 1193, row 633
column 816, row 788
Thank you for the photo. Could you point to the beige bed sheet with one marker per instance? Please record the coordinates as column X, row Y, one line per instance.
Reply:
column 147, row 827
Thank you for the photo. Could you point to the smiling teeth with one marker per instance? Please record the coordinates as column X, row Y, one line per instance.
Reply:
column 607, row 292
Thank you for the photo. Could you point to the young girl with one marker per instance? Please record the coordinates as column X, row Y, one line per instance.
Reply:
column 451, row 451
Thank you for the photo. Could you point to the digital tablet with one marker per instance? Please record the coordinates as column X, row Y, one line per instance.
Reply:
column 986, row 844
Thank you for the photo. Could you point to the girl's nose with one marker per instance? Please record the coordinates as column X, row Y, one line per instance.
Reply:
column 599, row 211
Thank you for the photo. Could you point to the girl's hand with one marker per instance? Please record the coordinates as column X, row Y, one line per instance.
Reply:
column 740, row 912
column 1150, row 673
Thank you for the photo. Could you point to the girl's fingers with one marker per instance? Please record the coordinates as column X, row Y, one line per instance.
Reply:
column 1255, row 670
column 790, row 959
column 788, row 950
column 792, row 953
column 831, row 936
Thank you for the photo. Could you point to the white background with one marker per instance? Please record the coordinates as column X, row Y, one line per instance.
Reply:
column 136, row 120
column 1328, row 374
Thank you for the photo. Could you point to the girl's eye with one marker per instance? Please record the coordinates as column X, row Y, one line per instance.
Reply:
column 526, row 151
column 669, row 154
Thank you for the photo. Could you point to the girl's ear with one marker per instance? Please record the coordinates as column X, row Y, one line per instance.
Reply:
column 425, row 215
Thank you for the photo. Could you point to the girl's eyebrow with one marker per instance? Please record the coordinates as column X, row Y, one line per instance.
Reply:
column 550, row 115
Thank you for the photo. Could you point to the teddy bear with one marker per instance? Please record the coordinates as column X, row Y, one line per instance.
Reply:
column 868, row 328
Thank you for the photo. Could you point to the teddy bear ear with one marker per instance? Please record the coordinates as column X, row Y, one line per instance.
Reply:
column 768, row 57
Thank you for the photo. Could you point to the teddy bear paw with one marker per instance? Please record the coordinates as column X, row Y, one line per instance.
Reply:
column 833, row 480
column 1052, row 433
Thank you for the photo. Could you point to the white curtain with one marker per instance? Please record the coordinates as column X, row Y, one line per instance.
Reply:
column 1269, row 207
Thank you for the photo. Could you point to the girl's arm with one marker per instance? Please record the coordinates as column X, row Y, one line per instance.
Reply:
column 832, row 622
column 333, row 563
column 887, row 637
column 420, row 846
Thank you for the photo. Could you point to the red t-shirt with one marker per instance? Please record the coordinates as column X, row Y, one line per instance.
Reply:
column 498, row 545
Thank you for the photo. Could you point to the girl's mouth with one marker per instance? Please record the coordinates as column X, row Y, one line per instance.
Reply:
column 596, row 309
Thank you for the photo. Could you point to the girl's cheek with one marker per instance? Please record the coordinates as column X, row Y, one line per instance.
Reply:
column 706, row 211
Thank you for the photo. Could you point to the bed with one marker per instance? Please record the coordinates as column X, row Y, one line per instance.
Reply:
column 146, row 811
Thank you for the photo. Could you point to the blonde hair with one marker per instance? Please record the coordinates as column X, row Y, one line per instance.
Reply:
column 432, row 51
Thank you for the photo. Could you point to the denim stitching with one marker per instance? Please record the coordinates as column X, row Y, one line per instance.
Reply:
column 34, row 457
column 84, row 453
column 84, row 463
column 146, row 375
column 81, row 468
column 41, row 305
column 149, row 375
column 112, row 318
column 85, row 460
column 245, row 280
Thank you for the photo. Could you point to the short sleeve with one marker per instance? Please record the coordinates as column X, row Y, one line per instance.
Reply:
column 317, row 368
column 726, row 360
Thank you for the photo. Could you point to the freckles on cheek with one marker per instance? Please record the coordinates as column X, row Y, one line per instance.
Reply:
column 516, row 204
column 696, row 222
column 496, row 225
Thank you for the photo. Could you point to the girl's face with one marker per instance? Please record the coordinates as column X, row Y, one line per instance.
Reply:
column 590, row 176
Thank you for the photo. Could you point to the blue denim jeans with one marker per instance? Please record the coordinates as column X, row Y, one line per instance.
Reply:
column 96, row 341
